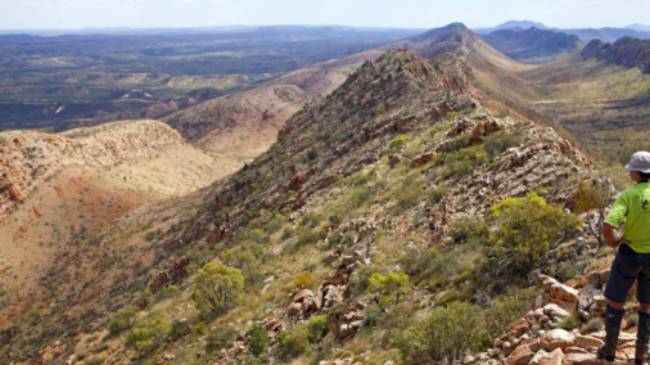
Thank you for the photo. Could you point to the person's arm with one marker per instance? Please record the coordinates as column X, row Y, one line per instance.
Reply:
column 612, row 239
column 613, row 221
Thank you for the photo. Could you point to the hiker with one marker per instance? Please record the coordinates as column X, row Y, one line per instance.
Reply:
column 632, row 260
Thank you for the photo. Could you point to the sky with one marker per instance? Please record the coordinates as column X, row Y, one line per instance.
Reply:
column 74, row 14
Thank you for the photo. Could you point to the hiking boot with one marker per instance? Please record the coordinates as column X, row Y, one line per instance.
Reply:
column 613, row 318
column 642, row 338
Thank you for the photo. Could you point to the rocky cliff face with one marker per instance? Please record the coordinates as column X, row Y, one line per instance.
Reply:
column 626, row 52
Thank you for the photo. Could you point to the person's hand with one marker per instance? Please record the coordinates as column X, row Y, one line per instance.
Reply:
column 621, row 242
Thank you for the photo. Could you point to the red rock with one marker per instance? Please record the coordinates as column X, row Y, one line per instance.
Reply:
column 524, row 352
column 297, row 182
column 482, row 130
column 421, row 160
column 588, row 341
column 393, row 160
column 520, row 356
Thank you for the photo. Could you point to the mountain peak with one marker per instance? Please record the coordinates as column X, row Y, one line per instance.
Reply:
column 437, row 34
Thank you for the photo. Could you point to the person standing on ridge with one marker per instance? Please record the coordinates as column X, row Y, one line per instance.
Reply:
column 632, row 260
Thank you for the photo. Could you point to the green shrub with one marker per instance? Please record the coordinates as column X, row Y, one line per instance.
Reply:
column 570, row 322
column 337, row 238
column 467, row 230
column 293, row 342
column 220, row 337
column 287, row 233
column 169, row 291
column 312, row 219
column 361, row 196
column 123, row 320
column 312, row 155
column 526, row 228
column 397, row 143
column 217, row 288
column 410, row 193
column 244, row 259
column 334, row 220
column 505, row 310
column 499, row 142
column 308, row 236
column 317, row 327
column 393, row 284
column 457, row 143
column 148, row 334
column 590, row 196
column 257, row 339
column 373, row 314
column 361, row 178
column 358, row 282
column 435, row 195
column 593, row 325
column 303, row 280
column 447, row 334
column 463, row 162
column 179, row 329
column 452, row 330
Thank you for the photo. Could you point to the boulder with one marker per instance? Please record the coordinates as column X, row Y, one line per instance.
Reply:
column 421, row 160
column 581, row 359
column 482, row 130
column 520, row 356
column 523, row 353
column 557, row 339
column 554, row 311
column 588, row 342
column 545, row 358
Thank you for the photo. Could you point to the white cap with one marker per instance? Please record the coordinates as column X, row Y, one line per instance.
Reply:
column 640, row 162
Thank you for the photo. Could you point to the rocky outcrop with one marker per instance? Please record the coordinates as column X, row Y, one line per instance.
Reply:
column 626, row 52
column 538, row 339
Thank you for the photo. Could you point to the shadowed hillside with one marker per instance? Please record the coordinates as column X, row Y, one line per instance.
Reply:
column 627, row 52
column 532, row 45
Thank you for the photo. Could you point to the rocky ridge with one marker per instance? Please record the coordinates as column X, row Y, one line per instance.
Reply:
column 399, row 125
column 29, row 158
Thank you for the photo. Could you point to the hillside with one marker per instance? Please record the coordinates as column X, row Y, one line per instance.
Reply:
column 58, row 189
column 373, row 184
column 627, row 52
column 238, row 127
column 532, row 45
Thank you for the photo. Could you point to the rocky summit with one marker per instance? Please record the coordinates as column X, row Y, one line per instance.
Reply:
column 408, row 216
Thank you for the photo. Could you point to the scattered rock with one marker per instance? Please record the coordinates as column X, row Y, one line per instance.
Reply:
column 557, row 339
column 421, row 160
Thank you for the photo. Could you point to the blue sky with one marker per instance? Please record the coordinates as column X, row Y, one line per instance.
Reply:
column 67, row 14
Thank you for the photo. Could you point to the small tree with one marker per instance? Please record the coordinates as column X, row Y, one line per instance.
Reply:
column 526, row 228
column 148, row 334
column 593, row 196
column 393, row 284
column 258, row 339
column 217, row 288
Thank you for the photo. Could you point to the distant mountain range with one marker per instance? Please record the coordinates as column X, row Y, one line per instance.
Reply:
column 606, row 34
column 532, row 44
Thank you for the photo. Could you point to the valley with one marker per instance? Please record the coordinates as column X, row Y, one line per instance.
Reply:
column 315, row 196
